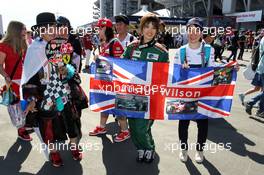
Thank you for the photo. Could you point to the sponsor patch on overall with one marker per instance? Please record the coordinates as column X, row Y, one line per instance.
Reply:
column 136, row 53
column 152, row 56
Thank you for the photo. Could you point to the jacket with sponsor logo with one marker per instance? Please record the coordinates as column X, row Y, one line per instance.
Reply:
column 151, row 51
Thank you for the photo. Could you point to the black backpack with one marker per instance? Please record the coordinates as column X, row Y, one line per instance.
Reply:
column 255, row 58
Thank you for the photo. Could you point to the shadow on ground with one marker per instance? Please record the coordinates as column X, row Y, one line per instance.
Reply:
column 120, row 158
column 220, row 131
column 16, row 155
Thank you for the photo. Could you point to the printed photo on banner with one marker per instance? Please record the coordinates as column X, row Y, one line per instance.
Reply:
column 131, row 102
column 104, row 70
column 179, row 106
column 222, row 76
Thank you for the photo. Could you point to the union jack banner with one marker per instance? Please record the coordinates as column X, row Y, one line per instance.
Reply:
column 161, row 91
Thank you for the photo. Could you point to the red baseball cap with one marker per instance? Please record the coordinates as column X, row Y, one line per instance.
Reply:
column 104, row 22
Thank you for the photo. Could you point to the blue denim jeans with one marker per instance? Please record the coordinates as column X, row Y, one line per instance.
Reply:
column 255, row 99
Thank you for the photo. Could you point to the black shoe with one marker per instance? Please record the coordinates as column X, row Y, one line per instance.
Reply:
column 149, row 156
column 140, row 157
column 248, row 109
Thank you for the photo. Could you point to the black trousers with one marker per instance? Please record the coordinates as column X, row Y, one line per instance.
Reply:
column 233, row 54
column 218, row 53
column 202, row 126
column 71, row 120
column 240, row 55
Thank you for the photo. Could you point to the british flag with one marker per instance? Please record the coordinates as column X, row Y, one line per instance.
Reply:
column 160, row 91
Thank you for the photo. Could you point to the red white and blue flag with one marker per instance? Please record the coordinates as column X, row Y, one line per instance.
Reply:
column 161, row 91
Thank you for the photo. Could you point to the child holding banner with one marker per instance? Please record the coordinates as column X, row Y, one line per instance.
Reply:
column 194, row 54
column 146, row 49
column 112, row 47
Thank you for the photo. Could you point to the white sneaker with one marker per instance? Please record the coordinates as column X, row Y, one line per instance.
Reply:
column 183, row 155
column 199, row 156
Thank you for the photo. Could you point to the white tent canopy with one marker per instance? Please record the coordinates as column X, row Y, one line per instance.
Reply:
column 143, row 11
column 163, row 13
column 160, row 13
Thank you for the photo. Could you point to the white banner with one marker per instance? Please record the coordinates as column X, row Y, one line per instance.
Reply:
column 251, row 16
